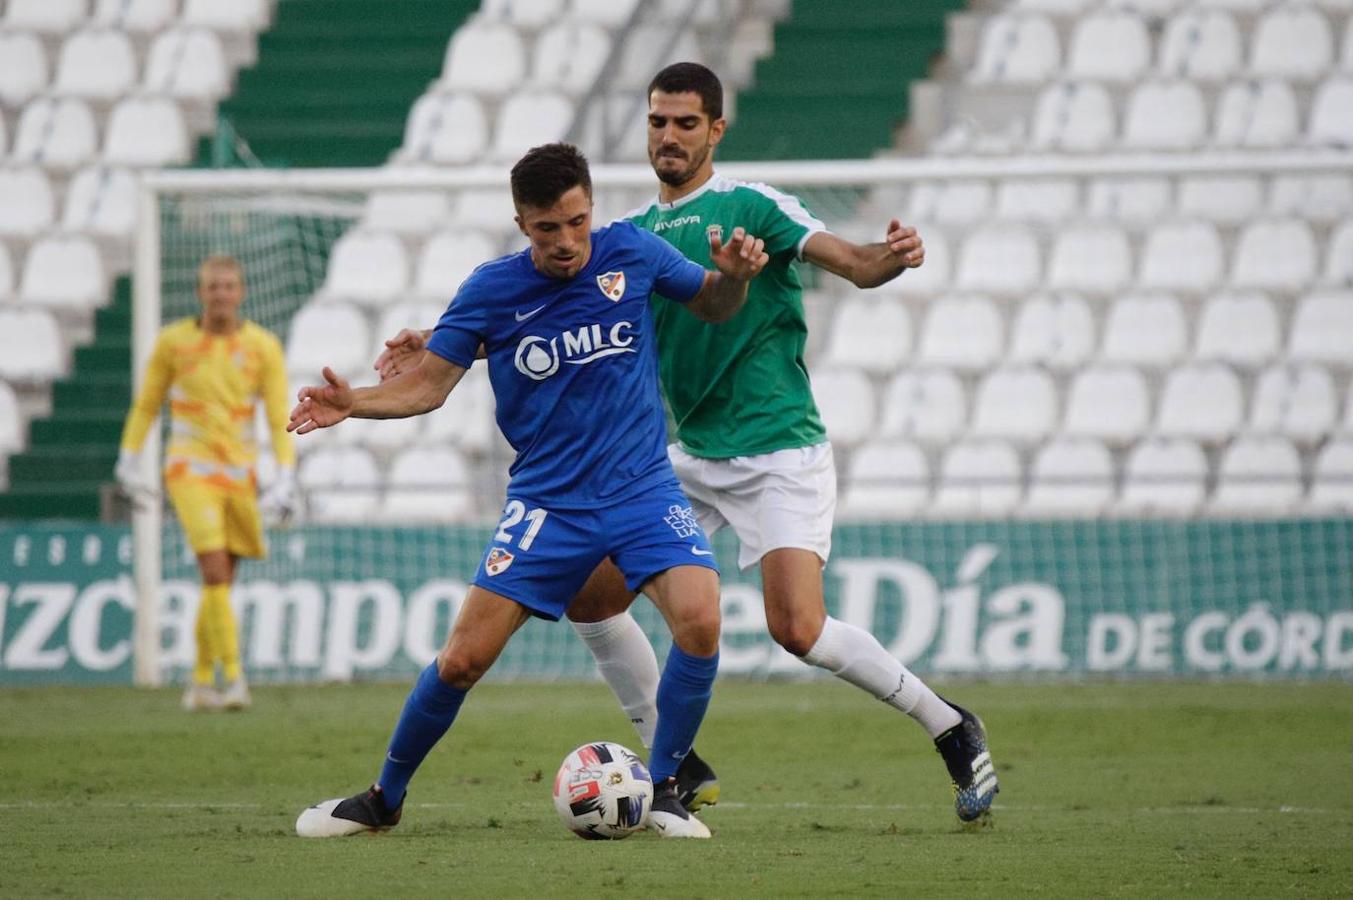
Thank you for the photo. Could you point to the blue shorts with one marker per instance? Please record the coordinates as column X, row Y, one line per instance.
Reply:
column 541, row 558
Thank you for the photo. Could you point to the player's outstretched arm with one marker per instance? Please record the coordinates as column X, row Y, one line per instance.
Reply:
column 867, row 265
column 419, row 390
column 738, row 262
column 402, row 352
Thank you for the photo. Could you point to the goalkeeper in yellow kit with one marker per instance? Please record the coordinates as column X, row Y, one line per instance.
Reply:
column 213, row 369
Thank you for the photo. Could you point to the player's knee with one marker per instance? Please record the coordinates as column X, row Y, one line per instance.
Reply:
column 698, row 633
column 796, row 635
column 460, row 669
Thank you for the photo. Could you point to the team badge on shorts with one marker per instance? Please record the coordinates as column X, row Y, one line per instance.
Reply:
column 498, row 561
column 612, row 284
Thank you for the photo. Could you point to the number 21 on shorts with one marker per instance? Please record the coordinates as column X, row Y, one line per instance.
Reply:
column 513, row 513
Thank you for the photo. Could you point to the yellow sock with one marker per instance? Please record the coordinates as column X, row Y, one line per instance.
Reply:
column 216, row 603
column 204, row 666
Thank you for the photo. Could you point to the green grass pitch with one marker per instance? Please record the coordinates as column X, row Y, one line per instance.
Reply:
column 1108, row 790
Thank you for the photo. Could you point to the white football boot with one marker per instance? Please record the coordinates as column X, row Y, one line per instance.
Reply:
column 201, row 697
column 236, row 695
column 364, row 812
column 669, row 818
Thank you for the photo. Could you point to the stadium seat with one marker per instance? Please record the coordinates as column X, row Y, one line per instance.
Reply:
column 871, row 332
column 615, row 120
column 1322, row 328
column 1316, row 198
column 1076, row 117
column 11, row 421
column 95, row 65
column 569, row 56
column 527, row 120
column 1339, row 257
column 188, row 64
column 1235, row 6
column 367, row 267
column 637, row 62
column 1058, row 8
column 28, row 208
column 1050, row 201
column 845, row 399
column 1293, row 43
column 1294, row 401
column 1233, row 200
column 528, row 15
column 383, row 436
column 448, row 129
column 412, row 314
column 950, row 202
column 1331, row 125
column 23, row 67
column 31, row 350
column 962, row 332
column 1276, row 255
column 484, row 58
column 1346, row 55
column 1090, row 258
column 340, row 483
column 978, row 478
column 427, row 484
column 63, row 271
column 412, row 213
column 1256, row 115
column 999, row 259
column 1018, row 405
column 1163, row 477
column 927, row 406
column 446, row 260
column 1184, row 257
column 489, row 209
column 51, row 17
column 1332, row 480
column 1165, row 115
column 1109, row 46
column 1055, row 330
column 933, row 277
column 886, row 480
column 1070, row 478
column 610, row 13
column 1017, row 50
column 1203, row 401
column 102, row 202
column 57, row 134
column 1201, row 46
column 237, row 16
column 1258, row 475
column 6, row 274
column 467, row 420
column 1238, row 328
column 328, row 334
column 1145, row 330
column 136, row 16
column 1107, row 403
column 146, row 131
column 1134, row 202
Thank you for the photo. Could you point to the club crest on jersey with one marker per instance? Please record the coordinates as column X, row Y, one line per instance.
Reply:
column 612, row 284
column 498, row 561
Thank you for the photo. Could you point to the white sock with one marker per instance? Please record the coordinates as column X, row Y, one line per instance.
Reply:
column 855, row 655
column 627, row 662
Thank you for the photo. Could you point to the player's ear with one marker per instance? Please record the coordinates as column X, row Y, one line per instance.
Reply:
column 521, row 226
column 716, row 130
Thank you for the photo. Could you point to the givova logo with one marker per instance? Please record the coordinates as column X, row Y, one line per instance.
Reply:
column 538, row 358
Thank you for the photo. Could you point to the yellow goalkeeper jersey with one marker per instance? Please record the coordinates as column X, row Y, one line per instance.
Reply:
column 212, row 383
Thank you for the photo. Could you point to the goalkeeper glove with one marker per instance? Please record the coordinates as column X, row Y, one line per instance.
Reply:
column 130, row 477
column 280, row 501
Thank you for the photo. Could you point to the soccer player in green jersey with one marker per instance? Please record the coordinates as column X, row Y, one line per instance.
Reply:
column 751, row 450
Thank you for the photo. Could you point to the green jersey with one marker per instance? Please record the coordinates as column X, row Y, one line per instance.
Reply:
column 738, row 388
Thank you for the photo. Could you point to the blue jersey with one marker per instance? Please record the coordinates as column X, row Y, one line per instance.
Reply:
column 574, row 365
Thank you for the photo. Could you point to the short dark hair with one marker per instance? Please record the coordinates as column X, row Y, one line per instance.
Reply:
column 547, row 173
column 691, row 78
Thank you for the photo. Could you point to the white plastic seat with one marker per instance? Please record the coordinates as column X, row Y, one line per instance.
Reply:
column 1017, row 50
column 927, row 406
column 467, row 420
column 23, row 67
column 961, row 332
column 447, row 259
column 418, row 315
column 1322, row 328
column 1036, row 200
column 383, row 436
column 1077, row 117
column 978, row 478
column 1339, row 257
column 1292, row 42
column 136, row 16
column 1184, row 257
column 528, row 120
column 1324, row 199
column 1145, row 330
column 1092, row 258
column 63, row 271
column 637, row 61
column 999, row 259
column 610, row 13
column 950, row 202
column 1232, row 200
column 146, row 131
column 886, row 480
column 1165, row 115
column 1258, row 115
column 1258, row 475
column 188, row 64
column 1058, row 8
column 1018, row 405
column 1070, row 477
column 1346, row 56
column 485, row 58
column 489, row 209
column 102, row 202
column 1203, row 401
column 328, row 334
column 1332, row 480
column 95, row 65
column 50, row 17
column 1108, row 403
column 340, row 483
column 449, row 129
column 412, row 212
column 1296, row 402
column 30, row 346
column 528, row 15
column 846, row 400
column 6, row 274
column 28, row 207
column 1164, row 476
column 11, row 421
column 1056, row 331
column 1238, row 328
column 367, row 267
column 933, row 277
column 1131, row 202
column 427, row 484
column 569, row 56
column 1276, row 255
column 1109, row 46
column 1331, row 123
column 870, row 332
column 237, row 16
column 1201, row 46
column 57, row 134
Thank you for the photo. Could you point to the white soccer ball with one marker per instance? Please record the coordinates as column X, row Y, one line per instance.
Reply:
column 603, row 791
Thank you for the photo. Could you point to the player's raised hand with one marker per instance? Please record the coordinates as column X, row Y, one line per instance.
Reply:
column 742, row 258
column 321, row 405
column 402, row 352
column 905, row 243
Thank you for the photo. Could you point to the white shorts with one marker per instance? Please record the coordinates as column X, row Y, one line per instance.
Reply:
column 773, row 500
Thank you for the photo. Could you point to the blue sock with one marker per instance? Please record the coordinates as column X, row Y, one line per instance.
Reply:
column 428, row 713
column 683, row 696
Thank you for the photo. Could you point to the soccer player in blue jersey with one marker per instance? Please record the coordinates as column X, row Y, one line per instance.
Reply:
column 568, row 334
